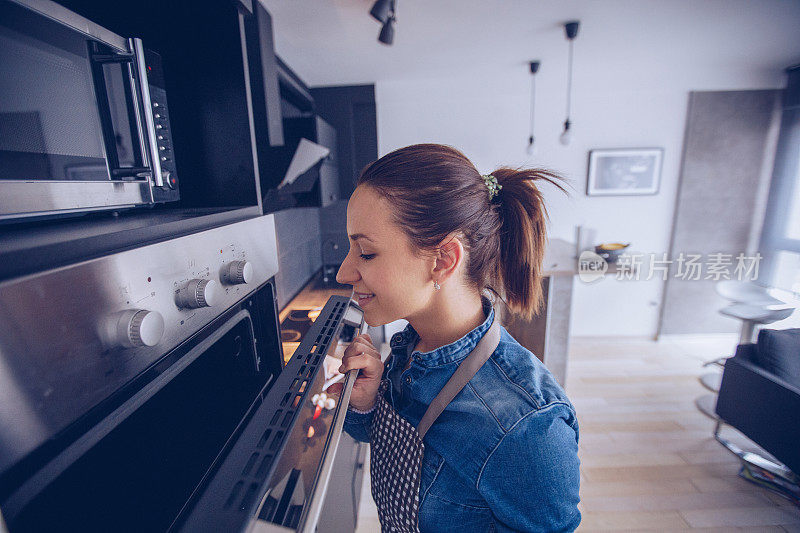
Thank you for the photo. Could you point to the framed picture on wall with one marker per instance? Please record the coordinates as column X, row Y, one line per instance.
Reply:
column 623, row 172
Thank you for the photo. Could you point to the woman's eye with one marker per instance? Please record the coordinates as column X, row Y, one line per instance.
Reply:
column 367, row 257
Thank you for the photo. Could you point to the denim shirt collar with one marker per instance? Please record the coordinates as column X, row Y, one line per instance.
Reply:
column 403, row 342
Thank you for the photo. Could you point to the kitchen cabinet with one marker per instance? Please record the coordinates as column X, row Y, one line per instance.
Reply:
column 351, row 111
column 326, row 173
column 263, row 69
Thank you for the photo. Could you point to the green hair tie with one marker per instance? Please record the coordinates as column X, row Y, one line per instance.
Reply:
column 492, row 185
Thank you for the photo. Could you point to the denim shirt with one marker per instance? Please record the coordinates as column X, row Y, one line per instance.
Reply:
column 503, row 456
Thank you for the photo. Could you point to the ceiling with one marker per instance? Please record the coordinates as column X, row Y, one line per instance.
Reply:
column 329, row 42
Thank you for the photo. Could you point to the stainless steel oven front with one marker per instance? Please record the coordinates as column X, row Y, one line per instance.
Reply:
column 147, row 391
column 84, row 118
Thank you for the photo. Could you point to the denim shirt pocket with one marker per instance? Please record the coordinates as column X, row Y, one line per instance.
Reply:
column 431, row 464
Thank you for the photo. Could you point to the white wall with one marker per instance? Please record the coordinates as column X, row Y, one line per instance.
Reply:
column 457, row 73
column 486, row 115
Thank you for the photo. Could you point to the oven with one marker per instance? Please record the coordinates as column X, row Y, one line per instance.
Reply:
column 84, row 117
column 147, row 391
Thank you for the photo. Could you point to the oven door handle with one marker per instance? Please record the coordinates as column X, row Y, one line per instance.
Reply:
column 318, row 497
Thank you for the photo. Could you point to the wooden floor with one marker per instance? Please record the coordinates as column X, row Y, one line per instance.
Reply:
column 648, row 458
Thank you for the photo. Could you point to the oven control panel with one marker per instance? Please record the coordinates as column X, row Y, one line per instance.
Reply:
column 79, row 333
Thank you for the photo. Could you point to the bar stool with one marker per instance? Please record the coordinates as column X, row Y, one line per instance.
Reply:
column 754, row 306
column 751, row 304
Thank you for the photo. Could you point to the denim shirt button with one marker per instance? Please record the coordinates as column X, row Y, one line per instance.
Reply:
column 397, row 340
column 408, row 380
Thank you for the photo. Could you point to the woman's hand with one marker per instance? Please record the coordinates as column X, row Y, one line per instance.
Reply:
column 363, row 355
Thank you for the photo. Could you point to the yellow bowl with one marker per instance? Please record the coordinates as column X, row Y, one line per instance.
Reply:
column 612, row 246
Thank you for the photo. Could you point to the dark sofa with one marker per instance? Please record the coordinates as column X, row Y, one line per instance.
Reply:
column 760, row 394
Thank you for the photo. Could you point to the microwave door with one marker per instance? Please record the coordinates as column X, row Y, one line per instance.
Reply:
column 120, row 114
column 68, row 136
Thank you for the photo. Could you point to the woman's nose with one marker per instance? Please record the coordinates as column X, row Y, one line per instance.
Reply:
column 347, row 275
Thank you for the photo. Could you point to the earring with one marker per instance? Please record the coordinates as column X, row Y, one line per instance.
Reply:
column 436, row 285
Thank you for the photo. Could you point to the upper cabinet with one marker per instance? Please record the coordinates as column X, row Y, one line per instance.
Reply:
column 263, row 69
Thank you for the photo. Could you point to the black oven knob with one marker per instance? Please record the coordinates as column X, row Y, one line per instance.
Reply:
column 139, row 327
column 238, row 272
column 199, row 293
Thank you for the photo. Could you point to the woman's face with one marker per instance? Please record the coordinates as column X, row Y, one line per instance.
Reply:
column 390, row 281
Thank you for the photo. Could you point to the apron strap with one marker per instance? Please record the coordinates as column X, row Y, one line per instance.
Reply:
column 465, row 371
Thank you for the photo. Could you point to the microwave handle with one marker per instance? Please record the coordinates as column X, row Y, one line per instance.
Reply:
column 125, row 60
column 137, row 113
column 146, row 111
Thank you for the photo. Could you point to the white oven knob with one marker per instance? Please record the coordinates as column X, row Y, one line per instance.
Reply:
column 238, row 272
column 138, row 327
column 199, row 293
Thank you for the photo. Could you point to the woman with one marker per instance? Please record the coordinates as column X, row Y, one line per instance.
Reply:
column 430, row 238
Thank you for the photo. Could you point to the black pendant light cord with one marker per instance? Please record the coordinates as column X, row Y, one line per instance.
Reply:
column 569, row 80
column 533, row 106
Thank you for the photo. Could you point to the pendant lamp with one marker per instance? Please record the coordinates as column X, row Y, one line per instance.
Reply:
column 534, row 65
column 571, row 31
column 385, row 11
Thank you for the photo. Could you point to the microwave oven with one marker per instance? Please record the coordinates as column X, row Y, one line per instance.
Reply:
column 84, row 118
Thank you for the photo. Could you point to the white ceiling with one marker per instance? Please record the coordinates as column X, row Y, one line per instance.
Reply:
column 329, row 42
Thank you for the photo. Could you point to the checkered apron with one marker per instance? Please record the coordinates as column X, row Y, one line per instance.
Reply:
column 396, row 447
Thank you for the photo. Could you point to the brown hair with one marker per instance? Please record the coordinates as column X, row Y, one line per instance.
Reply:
column 437, row 191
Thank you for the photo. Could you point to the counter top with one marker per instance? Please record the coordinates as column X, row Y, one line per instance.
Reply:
column 560, row 259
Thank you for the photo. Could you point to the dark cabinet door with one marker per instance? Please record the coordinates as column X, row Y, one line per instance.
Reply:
column 263, row 69
column 351, row 111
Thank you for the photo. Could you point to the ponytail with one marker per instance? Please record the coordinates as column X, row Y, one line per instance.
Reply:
column 523, row 237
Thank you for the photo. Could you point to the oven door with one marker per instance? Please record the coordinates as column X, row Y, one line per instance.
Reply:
column 73, row 130
column 275, row 475
column 137, row 468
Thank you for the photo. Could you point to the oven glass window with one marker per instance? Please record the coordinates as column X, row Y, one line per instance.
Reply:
column 139, row 476
column 49, row 120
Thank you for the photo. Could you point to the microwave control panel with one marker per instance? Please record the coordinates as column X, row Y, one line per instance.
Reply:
column 163, row 151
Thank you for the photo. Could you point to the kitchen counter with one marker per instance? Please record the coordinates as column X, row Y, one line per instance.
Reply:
column 560, row 259
column 547, row 334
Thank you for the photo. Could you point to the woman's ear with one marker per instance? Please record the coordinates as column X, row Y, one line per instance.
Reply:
column 449, row 255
